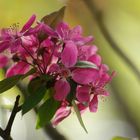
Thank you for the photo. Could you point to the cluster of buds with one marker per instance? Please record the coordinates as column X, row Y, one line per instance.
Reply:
column 75, row 70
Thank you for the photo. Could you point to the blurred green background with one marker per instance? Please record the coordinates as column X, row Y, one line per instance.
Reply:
column 118, row 115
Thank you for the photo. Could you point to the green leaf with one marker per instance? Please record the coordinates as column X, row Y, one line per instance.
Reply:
column 86, row 64
column 46, row 77
column 46, row 112
column 49, row 93
column 34, row 84
column 33, row 100
column 79, row 115
column 30, row 72
column 54, row 18
column 8, row 83
column 121, row 138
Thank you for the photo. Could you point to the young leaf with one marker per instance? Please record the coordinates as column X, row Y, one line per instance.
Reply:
column 34, row 84
column 8, row 83
column 86, row 64
column 49, row 93
column 46, row 112
column 54, row 18
column 79, row 115
column 30, row 72
column 33, row 100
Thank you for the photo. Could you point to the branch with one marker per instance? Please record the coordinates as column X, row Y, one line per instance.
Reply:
column 98, row 16
column 5, row 134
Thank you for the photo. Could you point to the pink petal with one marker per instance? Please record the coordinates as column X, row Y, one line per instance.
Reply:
column 28, row 23
column 83, row 40
column 4, row 45
column 85, row 76
column 60, row 115
column 5, row 34
column 76, row 32
column 86, row 51
column 62, row 88
column 29, row 40
column 96, row 59
column 82, row 108
column 69, row 54
column 83, row 94
column 93, row 105
column 62, row 29
column 54, row 68
column 3, row 61
column 48, row 30
column 15, row 46
column 19, row 68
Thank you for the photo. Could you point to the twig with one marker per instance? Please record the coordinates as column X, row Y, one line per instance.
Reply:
column 5, row 134
column 98, row 16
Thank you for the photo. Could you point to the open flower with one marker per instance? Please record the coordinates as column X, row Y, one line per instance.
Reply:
column 12, row 39
column 66, row 34
column 89, row 93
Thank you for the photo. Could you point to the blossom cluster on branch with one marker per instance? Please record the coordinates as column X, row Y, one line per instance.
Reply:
column 65, row 63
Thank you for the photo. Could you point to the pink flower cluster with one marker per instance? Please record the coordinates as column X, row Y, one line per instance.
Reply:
column 57, row 52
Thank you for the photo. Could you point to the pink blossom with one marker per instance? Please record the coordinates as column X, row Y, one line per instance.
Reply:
column 90, row 93
column 12, row 38
column 63, row 54
column 18, row 68
column 75, row 34
column 3, row 61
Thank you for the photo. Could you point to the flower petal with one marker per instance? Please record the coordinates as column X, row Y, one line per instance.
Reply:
column 93, row 105
column 85, row 76
column 76, row 32
column 86, row 51
column 61, row 114
column 62, row 29
column 3, row 61
column 83, row 94
column 83, row 40
column 54, row 68
column 62, row 88
column 19, row 68
column 28, row 23
column 29, row 41
column 82, row 108
column 96, row 59
column 4, row 45
column 69, row 54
